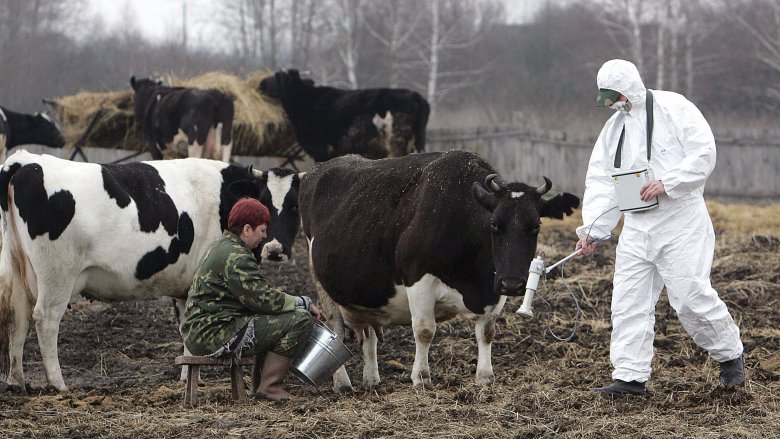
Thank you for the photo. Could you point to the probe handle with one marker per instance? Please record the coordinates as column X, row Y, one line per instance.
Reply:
column 534, row 273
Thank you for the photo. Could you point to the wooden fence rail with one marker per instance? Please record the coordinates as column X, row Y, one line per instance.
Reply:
column 747, row 167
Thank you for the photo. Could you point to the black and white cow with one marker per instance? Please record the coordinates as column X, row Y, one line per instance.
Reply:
column 113, row 232
column 330, row 122
column 184, row 122
column 419, row 239
column 25, row 129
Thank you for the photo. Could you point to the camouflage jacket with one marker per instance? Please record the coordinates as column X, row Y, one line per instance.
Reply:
column 227, row 290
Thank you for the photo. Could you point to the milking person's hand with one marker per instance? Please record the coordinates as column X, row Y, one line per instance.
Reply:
column 651, row 189
column 586, row 244
column 317, row 313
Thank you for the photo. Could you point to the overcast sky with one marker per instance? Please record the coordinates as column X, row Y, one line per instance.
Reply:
column 161, row 20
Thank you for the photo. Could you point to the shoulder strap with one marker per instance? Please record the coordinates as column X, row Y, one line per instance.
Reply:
column 648, row 126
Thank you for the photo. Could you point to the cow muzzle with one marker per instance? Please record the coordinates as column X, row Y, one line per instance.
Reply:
column 274, row 251
column 511, row 286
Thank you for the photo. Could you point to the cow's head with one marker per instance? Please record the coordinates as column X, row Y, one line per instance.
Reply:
column 285, row 85
column 46, row 131
column 139, row 84
column 277, row 189
column 516, row 209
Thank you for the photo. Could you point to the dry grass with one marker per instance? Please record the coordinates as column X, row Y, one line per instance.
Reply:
column 124, row 382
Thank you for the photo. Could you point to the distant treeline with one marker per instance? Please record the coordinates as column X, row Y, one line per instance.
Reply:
column 724, row 55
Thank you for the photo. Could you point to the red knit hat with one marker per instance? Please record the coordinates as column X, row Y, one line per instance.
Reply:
column 247, row 211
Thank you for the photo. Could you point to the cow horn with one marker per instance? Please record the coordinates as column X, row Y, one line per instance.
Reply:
column 543, row 189
column 255, row 172
column 493, row 181
column 300, row 175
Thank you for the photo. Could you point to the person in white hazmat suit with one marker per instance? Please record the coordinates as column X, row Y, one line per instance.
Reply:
column 671, row 244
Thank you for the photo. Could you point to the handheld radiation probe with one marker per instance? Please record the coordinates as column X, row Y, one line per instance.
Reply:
column 534, row 274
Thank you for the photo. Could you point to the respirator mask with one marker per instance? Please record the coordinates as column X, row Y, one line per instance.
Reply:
column 623, row 106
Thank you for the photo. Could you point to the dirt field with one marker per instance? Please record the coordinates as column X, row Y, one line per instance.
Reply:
column 118, row 361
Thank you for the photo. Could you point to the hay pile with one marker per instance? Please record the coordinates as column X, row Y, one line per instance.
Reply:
column 260, row 126
column 113, row 115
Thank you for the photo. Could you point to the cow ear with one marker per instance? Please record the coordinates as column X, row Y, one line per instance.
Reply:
column 560, row 205
column 486, row 198
column 244, row 188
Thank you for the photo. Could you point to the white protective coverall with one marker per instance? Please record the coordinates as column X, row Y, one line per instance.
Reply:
column 672, row 244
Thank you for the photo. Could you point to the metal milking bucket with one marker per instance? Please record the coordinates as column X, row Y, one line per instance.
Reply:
column 321, row 357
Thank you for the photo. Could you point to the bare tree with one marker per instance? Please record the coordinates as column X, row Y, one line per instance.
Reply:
column 346, row 23
column 455, row 27
column 623, row 19
column 392, row 24
column 767, row 35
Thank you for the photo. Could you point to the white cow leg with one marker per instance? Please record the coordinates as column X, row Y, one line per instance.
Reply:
column 341, row 381
column 47, row 319
column 370, row 364
column 227, row 151
column 485, row 330
column 195, row 150
column 18, row 333
column 422, row 300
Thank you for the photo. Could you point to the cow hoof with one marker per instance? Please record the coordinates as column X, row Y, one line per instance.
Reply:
column 23, row 390
column 343, row 389
column 371, row 382
column 423, row 383
column 61, row 388
column 485, row 379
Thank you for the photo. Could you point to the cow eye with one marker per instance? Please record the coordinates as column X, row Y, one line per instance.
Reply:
column 537, row 229
column 494, row 227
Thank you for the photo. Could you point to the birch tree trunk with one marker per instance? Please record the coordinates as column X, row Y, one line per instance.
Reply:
column 633, row 14
column 347, row 20
column 433, row 65
column 663, row 19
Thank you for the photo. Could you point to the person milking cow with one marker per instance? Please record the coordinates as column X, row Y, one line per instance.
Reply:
column 232, row 310
column 652, row 159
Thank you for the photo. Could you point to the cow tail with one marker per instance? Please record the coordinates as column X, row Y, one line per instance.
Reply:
column 6, row 317
column 422, row 123
column 6, row 267
column 7, row 263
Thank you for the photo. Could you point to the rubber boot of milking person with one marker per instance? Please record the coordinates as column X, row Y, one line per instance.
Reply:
column 232, row 310
column 670, row 245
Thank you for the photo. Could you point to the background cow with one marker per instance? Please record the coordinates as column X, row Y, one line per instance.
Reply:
column 418, row 239
column 184, row 122
column 113, row 232
column 330, row 122
column 24, row 129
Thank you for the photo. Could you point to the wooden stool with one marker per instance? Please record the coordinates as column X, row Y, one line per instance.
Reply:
column 236, row 377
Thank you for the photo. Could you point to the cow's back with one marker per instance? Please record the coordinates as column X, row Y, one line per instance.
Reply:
column 380, row 223
column 124, row 231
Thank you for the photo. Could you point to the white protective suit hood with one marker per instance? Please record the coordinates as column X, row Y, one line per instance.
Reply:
column 623, row 77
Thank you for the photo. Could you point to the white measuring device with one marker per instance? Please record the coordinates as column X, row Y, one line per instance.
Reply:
column 534, row 274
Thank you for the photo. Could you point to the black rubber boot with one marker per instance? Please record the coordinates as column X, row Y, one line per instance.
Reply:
column 620, row 387
column 732, row 372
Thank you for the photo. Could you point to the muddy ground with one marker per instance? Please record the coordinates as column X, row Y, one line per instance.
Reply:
column 117, row 360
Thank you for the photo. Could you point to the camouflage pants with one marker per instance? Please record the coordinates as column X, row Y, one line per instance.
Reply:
column 283, row 334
